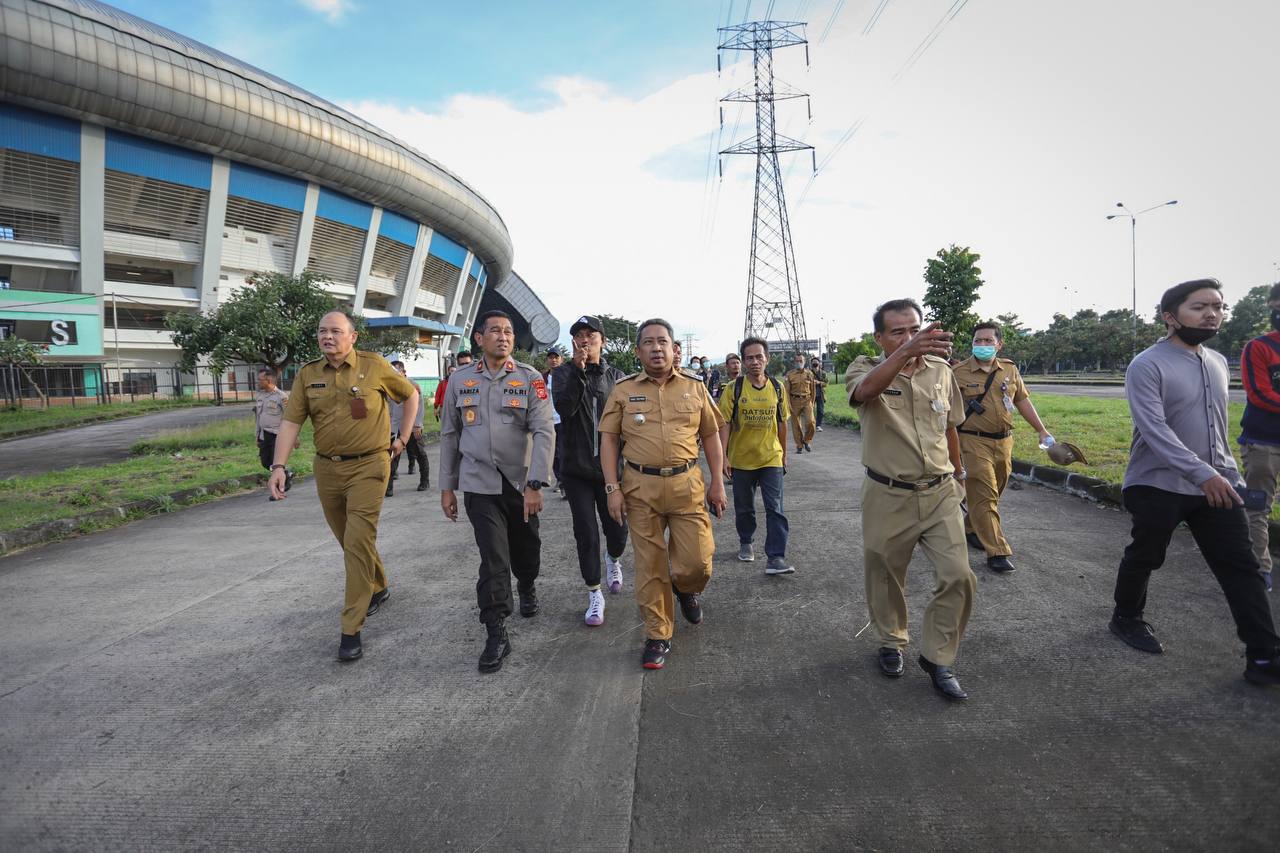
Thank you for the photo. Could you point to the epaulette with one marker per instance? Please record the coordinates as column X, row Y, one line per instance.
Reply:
column 1006, row 360
column 937, row 358
column 313, row 361
column 690, row 374
column 630, row 376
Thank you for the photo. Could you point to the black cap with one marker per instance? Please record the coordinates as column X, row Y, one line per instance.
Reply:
column 554, row 351
column 586, row 321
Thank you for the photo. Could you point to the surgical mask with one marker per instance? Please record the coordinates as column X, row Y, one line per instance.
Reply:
column 1275, row 320
column 984, row 353
column 1193, row 337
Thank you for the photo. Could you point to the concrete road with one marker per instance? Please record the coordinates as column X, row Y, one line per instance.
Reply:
column 98, row 444
column 172, row 685
column 1236, row 395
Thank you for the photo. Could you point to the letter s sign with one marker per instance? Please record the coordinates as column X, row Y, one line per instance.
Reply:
column 58, row 334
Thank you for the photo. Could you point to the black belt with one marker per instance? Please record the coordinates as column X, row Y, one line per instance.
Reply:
column 337, row 457
column 662, row 472
column 899, row 484
column 982, row 434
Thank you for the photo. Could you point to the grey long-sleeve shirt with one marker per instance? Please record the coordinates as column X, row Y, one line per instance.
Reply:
column 1178, row 401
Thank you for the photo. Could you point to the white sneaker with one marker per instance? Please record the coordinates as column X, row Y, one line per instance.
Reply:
column 595, row 607
column 613, row 574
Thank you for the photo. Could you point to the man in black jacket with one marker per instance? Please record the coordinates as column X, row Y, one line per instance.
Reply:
column 579, row 389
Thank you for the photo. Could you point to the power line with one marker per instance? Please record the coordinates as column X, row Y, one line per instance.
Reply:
column 923, row 47
column 875, row 17
column 835, row 13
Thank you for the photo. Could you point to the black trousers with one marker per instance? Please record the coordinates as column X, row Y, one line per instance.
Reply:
column 555, row 457
column 587, row 502
column 267, row 449
column 507, row 546
column 1223, row 538
column 820, row 409
column 416, row 454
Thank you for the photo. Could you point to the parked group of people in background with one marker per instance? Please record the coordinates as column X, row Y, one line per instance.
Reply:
column 624, row 451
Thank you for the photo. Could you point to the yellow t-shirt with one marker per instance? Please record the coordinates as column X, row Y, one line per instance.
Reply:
column 753, row 440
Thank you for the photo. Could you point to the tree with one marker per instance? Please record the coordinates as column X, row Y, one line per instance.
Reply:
column 851, row 349
column 1250, row 316
column 954, row 279
column 272, row 321
column 620, row 343
column 21, row 354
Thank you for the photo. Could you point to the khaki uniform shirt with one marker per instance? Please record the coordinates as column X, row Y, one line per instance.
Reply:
column 486, row 424
column 268, row 410
column 328, row 397
column 799, row 383
column 660, row 425
column 971, row 376
column 904, row 429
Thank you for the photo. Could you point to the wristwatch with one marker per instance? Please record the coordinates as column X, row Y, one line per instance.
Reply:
column 610, row 488
column 274, row 467
column 536, row 485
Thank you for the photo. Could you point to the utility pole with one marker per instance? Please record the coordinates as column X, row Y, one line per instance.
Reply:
column 688, row 346
column 774, row 310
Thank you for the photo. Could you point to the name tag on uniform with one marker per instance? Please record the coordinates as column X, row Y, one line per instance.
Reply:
column 892, row 392
column 318, row 385
column 640, row 399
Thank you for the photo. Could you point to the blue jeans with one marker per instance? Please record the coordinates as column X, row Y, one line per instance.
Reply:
column 744, row 507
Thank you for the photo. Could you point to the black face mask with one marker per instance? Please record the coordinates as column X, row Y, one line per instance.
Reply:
column 1192, row 337
column 1275, row 320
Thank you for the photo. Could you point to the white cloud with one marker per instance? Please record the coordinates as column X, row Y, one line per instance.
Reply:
column 332, row 10
column 1015, row 134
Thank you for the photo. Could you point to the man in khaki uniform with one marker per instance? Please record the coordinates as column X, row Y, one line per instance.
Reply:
column 820, row 391
column 992, row 389
column 655, row 418
column 909, row 406
column 801, row 390
column 345, row 394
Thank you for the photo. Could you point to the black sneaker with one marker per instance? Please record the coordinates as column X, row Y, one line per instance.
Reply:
column 496, row 647
column 655, row 654
column 1136, row 633
column 350, row 649
column 528, row 602
column 378, row 599
column 690, row 606
column 1266, row 673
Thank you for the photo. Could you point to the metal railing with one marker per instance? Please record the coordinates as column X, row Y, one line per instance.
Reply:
column 95, row 384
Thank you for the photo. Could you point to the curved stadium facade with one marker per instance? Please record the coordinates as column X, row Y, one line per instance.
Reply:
column 143, row 173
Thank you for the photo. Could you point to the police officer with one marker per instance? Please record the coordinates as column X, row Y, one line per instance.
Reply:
column 268, row 409
column 413, row 447
column 656, row 417
column 491, row 412
column 800, row 393
column 908, row 407
column 345, row 394
column 992, row 389
column 820, row 391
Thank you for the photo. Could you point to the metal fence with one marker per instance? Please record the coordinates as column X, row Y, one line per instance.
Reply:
column 93, row 384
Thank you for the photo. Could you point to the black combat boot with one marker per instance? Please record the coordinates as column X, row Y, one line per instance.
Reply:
column 496, row 647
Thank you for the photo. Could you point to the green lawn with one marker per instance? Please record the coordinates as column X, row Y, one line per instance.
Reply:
column 21, row 421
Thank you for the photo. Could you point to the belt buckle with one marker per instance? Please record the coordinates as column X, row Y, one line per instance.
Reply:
column 667, row 471
column 335, row 458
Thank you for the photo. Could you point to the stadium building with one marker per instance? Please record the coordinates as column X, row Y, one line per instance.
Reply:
column 143, row 173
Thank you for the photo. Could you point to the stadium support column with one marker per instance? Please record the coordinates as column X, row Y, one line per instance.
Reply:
column 409, row 297
column 458, row 302
column 93, row 170
column 306, row 228
column 366, row 261
column 207, row 274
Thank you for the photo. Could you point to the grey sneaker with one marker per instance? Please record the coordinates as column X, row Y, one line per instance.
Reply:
column 779, row 566
column 746, row 553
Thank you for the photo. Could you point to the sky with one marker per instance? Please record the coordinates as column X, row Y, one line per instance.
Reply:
column 1012, row 127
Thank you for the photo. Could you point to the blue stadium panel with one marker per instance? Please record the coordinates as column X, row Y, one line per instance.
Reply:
column 340, row 208
column 447, row 250
column 267, row 187
column 402, row 229
column 136, row 156
column 39, row 133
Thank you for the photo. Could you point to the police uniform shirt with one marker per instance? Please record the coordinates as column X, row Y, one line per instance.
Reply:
column 329, row 397
column 971, row 376
column 487, row 420
column 660, row 424
column 904, row 429
column 799, row 383
column 268, row 410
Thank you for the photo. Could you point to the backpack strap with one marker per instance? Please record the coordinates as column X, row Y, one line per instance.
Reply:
column 777, row 390
column 737, row 395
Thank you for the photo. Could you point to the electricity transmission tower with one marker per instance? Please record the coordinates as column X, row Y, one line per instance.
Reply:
column 774, row 310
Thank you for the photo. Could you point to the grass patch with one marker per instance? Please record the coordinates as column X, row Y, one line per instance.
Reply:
column 29, row 421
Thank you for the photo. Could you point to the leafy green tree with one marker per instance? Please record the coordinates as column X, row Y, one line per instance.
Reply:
column 19, row 353
column 620, row 343
column 271, row 321
column 851, row 349
column 1249, row 317
column 953, row 279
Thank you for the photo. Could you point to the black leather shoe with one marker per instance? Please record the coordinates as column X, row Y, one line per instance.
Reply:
column 690, row 606
column 655, row 654
column 391, row 487
column 890, row 662
column 528, row 602
column 974, row 542
column 424, row 484
column 1136, row 633
column 1000, row 564
column 496, row 647
column 944, row 679
column 350, row 649
column 1266, row 673
column 379, row 598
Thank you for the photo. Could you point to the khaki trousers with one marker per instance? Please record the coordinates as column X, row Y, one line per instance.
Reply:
column 988, row 462
column 802, row 425
column 351, row 494
column 656, row 505
column 893, row 522
column 1261, row 467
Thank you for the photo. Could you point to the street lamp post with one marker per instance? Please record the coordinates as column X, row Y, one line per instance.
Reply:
column 1133, row 243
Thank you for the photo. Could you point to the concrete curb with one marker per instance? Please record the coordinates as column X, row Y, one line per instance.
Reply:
column 51, row 531
column 43, row 430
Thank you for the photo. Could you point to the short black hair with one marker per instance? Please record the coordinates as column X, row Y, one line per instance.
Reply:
column 752, row 341
column 270, row 373
column 654, row 321
column 397, row 362
column 1275, row 292
column 483, row 320
column 877, row 319
column 993, row 326
column 463, row 354
column 1173, row 298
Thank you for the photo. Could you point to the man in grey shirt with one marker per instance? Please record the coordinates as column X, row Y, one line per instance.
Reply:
column 1181, row 469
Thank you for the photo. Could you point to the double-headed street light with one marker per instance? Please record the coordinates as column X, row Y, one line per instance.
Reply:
column 1133, row 231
